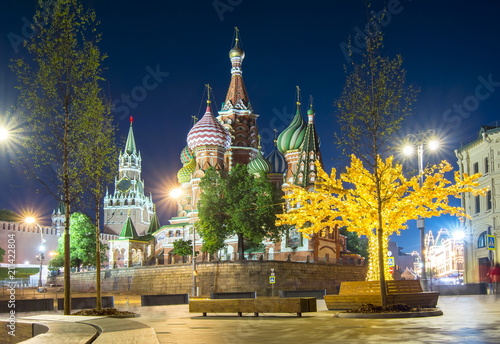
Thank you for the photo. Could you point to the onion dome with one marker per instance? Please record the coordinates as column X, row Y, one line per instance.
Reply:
column 292, row 137
column 186, row 155
column 185, row 173
column 259, row 165
column 277, row 161
column 208, row 132
column 236, row 51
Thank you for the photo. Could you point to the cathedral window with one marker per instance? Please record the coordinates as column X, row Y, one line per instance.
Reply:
column 170, row 234
column 311, row 155
column 178, row 233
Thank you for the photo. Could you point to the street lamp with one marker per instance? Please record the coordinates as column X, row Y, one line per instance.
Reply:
column 41, row 249
column 4, row 134
column 421, row 140
column 176, row 194
column 195, row 273
column 459, row 237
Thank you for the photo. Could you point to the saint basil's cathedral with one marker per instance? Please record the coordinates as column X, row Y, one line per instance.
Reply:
column 219, row 141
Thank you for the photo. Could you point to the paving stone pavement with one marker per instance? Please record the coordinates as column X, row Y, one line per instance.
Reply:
column 466, row 319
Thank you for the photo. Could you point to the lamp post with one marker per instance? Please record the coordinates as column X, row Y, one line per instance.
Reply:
column 420, row 140
column 41, row 249
column 176, row 194
column 195, row 273
column 459, row 237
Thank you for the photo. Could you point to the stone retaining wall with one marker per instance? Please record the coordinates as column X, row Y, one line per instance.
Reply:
column 224, row 276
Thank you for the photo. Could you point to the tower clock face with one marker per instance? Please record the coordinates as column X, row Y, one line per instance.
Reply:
column 124, row 184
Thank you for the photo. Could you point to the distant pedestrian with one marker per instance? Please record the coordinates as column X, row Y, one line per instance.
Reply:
column 494, row 275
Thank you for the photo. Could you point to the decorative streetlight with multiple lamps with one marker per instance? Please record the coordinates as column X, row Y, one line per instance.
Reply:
column 421, row 141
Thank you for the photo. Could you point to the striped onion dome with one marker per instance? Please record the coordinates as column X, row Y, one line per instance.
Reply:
column 277, row 161
column 292, row 137
column 184, row 174
column 259, row 165
column 186, row 155
column 208, row 132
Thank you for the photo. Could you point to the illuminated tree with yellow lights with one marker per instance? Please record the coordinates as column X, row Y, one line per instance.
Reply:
column 354, row 200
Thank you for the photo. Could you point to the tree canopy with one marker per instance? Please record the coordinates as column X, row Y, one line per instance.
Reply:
column 355, row 244
column 236, row 204
column 9, row 215
column 83, row 244
column 352, row 200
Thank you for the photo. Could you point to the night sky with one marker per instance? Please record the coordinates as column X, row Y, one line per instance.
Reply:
column 450, row 49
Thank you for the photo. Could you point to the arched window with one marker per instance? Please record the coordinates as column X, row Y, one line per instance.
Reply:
column 481, row 241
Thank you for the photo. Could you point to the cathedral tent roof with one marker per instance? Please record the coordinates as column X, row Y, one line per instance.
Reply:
column 128, row 230
column 130, row 147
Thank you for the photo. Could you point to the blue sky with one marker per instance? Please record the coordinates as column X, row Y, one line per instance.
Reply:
column 450, row 49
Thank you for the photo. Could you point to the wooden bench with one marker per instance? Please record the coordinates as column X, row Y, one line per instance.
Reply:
column 354, row 294
column 255, row 306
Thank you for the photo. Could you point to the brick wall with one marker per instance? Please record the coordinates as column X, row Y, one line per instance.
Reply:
column 219, row 277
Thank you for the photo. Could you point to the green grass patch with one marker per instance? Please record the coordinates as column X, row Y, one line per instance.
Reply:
column 20, row 272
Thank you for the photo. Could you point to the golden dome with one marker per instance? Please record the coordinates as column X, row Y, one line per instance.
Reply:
column 236, row 51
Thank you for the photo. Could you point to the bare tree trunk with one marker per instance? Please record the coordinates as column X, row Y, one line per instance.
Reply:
column 241, row 248
column 67, row 265
column 98, row 301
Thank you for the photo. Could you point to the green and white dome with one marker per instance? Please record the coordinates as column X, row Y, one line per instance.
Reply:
column 259, row 165
column 292, row 137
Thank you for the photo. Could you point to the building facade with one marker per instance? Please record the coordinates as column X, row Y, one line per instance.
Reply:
column 482, row 155
column 444, row 257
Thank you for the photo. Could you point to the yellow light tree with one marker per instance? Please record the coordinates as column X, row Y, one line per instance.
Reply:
column 354, row 200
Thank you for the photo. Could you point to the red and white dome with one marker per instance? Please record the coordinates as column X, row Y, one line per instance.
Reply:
column 208, row 132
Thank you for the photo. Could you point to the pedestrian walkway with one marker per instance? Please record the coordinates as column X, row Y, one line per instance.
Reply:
column 466, row 319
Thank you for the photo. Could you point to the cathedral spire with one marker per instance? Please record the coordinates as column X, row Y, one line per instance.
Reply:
column 237, row 96
column 130, row 147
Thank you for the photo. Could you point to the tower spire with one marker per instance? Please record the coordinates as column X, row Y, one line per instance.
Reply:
column 237, row 96
column 130, row 147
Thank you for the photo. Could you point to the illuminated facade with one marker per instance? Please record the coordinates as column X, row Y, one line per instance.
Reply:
column 445, row 256
column 482, row 155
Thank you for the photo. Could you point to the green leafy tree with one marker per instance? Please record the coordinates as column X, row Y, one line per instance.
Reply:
column 59, row 90
column 355, row 244
column 237, row 204
column 8, row 215
column 83, row 244
column 183, row 248
column 99, row 166
column 374, row 102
